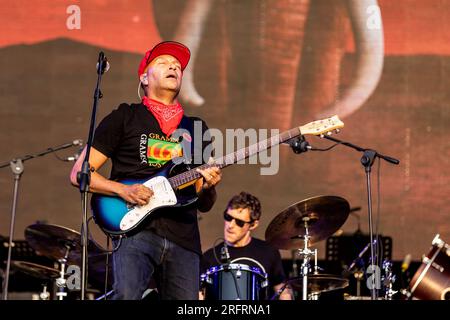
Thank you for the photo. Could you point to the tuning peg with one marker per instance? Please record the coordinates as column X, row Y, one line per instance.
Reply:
column 337, row 130
column 329, row 133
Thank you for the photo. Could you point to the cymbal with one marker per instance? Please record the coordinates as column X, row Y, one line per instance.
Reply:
column 323, row 214
column 35, row 270
column 54, row 241
column 318, row 283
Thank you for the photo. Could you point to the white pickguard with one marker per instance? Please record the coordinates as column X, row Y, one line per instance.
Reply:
column 163, row 195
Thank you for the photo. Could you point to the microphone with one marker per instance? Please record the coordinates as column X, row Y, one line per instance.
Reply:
column 73, row 143
column 77, row 142
column 105, row 66
column 353, row 264
column 225, row 254
column 75, row 156
column 406, row 262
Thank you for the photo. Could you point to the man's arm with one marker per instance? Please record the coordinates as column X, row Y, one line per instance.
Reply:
column 286, row 294
column 137, row 193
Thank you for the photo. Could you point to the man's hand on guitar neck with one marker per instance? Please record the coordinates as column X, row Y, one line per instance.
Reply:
column 211, row 175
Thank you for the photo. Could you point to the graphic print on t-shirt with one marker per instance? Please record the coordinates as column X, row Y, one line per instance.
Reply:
column 161, row 149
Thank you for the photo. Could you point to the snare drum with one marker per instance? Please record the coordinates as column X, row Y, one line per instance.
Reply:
column 234, row 282
column 432, row 279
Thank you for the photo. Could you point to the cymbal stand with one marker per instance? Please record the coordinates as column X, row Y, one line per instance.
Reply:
column 306, row 253
column 44, row 295
column 316, row 267
column 61, row 281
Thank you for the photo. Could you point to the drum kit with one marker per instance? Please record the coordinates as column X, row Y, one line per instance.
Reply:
column 297, row 227
column 306, row 223
column 63, row 246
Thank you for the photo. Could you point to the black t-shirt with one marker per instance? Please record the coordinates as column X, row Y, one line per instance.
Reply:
column 130, row 135
column 258, row 250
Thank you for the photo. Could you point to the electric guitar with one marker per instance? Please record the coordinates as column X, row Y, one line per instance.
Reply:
column 116, row 217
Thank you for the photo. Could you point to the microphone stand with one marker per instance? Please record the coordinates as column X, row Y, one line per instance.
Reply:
column 84, row 176
column 367, row 161
column 17, row 169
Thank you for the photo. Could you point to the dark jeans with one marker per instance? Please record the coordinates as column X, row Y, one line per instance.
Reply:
column 139, row 257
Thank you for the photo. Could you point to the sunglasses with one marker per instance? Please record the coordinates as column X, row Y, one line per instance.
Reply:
column 240, row 223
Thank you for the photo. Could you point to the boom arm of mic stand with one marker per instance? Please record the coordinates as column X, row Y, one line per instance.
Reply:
column 39, row 154
column 351, row 145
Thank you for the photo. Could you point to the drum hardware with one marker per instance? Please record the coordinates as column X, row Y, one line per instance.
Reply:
column 38, row 271
column 432, row 280
column 52, row 241
column 44, row 295
column 303, row 224
column 388, row 280
column 63, row 245
column 358, row 275
column 61, row 281
column 263, row 283
column 306, row 253
column 223, row 282
column 319, row 283
column 326, row 214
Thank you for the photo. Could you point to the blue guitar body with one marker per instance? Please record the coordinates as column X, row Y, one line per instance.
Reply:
column 117, row 217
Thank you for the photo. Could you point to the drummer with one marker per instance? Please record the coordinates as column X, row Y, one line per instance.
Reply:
column 241, row 218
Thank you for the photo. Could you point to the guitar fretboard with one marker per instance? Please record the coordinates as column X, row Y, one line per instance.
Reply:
column 234, row 157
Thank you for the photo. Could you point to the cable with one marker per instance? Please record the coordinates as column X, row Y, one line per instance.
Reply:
column 214, row 250
column 377, row 223
column 326, row 149
column 57, row 156
column 264, row 284
column 236, row 285
column 106, row 268
column 226, row 267
column 252, row 260
column 99, row 246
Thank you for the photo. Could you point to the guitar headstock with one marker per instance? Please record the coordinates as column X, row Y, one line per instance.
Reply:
column 320, row 127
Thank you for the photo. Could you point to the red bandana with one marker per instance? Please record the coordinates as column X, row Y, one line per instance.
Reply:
column 168, row 116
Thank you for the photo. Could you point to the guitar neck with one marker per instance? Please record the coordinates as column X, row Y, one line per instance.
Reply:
column 235, row 157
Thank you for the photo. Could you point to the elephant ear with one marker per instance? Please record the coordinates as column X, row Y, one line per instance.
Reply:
column 189, row 32
column 369, row 43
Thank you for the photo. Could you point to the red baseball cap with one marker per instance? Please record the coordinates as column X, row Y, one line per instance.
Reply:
column 173, row 48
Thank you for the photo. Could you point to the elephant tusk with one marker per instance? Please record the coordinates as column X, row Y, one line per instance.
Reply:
column 369, row 42
column 189, row 32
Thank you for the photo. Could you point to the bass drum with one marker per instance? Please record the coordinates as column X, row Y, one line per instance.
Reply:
column 234, row 282
column 432, row 279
